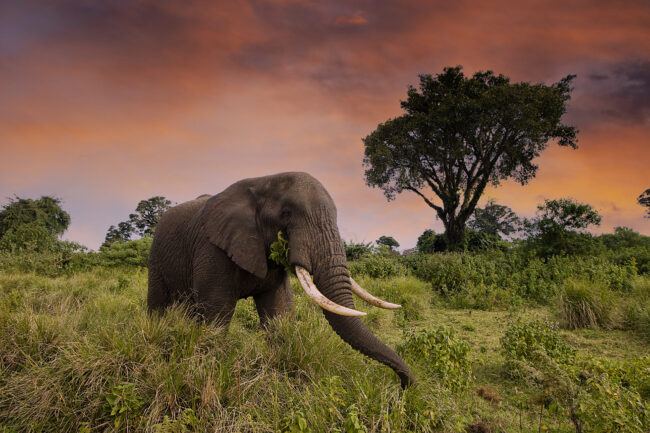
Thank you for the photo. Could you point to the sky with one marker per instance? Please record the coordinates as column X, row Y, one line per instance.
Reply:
column 103, row 104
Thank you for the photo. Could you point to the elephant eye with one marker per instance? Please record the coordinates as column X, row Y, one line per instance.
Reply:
column 285, row 214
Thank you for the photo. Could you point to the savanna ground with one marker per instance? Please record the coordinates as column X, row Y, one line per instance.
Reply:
column 78, row 352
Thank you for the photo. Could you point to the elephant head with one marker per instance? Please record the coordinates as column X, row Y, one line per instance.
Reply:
column 244, row 221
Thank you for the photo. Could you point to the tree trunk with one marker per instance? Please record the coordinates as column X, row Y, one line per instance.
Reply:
column 455, row 234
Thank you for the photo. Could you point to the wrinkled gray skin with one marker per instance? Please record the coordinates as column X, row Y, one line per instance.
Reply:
column 213, row 251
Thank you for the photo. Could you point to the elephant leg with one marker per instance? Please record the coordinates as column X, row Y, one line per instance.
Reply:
column 275, row 302
column 158, row 295
column 215, row 296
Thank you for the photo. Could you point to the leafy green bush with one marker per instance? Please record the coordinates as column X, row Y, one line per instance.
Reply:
column 354, row 251
column 494, row 278
column 377, row 266
column 613, row 396
column 132, row 253
column 442, row 353
column 530, row 341
column 586, row 305
column 54, row 261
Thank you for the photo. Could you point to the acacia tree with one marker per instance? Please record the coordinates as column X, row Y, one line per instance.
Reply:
column 389, row 241
column 459, row 134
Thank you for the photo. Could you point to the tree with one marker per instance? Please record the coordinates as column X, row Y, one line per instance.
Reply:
column 121, row 233
column 494, row 219
column 389, row 241
column 148, row 213
column 559, row 227
column 142, row 223
column 430, row 242
column 354, row 251
column 32, row 224
column 644, row 200
column 459, row 134
column 45, row 212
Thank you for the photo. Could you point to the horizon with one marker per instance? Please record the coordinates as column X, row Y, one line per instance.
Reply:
column 111, row 104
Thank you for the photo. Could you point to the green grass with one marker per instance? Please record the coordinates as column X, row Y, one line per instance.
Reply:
column 79, row 353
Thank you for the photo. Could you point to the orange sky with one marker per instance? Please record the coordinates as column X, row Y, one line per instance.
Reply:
column 107, row 103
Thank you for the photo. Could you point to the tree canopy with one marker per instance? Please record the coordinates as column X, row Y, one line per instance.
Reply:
column 33, row 224
column 559, row 227
column 389, row 241
column 458, row 134
column 494, row 219
column 142, row 223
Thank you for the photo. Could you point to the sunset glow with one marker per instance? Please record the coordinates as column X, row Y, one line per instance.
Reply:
column 107, row 103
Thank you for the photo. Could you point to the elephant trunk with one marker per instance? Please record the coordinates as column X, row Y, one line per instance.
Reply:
column 333, row 280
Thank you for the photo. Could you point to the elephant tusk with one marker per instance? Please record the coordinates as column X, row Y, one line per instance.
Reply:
column 312, row 291
column 363, row 294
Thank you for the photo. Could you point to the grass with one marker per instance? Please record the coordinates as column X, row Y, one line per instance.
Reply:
column 79, row 353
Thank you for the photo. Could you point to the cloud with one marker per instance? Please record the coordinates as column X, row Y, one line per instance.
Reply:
column 354, row 20
column 113, row 102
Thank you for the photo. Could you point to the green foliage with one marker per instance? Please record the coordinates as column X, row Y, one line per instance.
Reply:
column 123, row 402
column 606, row 406
column 377, row 266
column 556, row 228
column 582, row 304
column 355, row 251
column 131, row 253
column 280, row 252
column 45, row 212
column 494, row 219
column 530, row 341
column 28, row 226
column 475, row 240
column 388, row 241
column 430, row 242
column 296, row 423
column 443, row 354
column 142, row 223
column 453, row 131
column 352, row 423
column 71, row 341
column 187, row 421
column 625, row 245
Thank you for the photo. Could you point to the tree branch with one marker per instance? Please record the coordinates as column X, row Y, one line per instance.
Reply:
column 426, row 200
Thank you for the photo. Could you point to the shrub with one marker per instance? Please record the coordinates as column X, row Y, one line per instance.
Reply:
column 530, row 341
column 132, row 253
column 355, row 251
column 377, row 266
column 586, row 305
column 612, row 396
column 442, row 353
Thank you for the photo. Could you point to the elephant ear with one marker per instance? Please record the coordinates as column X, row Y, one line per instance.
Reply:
column 229, row 222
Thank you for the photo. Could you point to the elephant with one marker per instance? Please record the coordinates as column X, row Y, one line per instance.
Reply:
column 214, row 250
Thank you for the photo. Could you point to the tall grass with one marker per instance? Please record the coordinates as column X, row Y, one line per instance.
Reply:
column 81, row 352
column 583, row 304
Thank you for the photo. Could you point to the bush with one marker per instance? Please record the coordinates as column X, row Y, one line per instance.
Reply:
column 355, row 251
column 612, row 396
column 442, row 353
column 531, row 341
column 586, row 305
column 54, row 261
column 377, row 266
column 132, row 253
